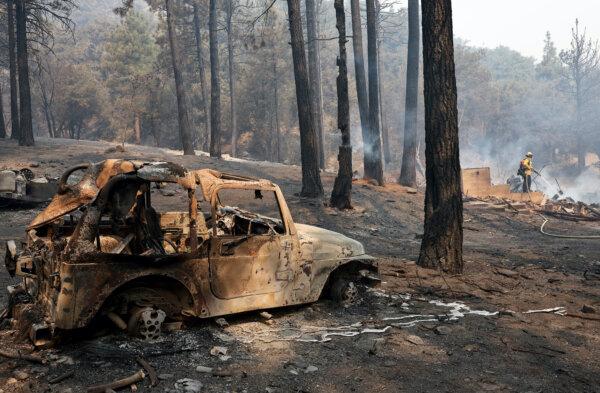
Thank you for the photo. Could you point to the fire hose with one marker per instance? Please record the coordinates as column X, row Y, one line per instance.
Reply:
column 563, row 236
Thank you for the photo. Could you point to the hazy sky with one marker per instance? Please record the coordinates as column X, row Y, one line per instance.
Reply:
column 522, row 24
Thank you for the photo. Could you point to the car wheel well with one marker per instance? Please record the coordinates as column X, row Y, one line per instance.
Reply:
column 347, row 271
column 164, row 292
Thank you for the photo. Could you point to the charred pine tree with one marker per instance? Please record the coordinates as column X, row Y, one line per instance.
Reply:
column 276, row 106
column 441, row 247
column 359, row 76
column 374, row 163
column 314, row 75
column 185, row 128
column 25, row 119
column 12, row 61
column 311, row 178
column 342, row 188
column 202, row 75
column 408, row 173
column 232, row 78
column 215, row 83
column 2, row 124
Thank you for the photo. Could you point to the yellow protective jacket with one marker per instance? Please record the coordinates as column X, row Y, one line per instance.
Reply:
column 527, row 166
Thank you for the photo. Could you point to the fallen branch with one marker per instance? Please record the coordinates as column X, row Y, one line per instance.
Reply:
column 61, row 377
column 589, row 318
column 120, row 383
column 149, row 369
column 532, row 352
column 19, row 355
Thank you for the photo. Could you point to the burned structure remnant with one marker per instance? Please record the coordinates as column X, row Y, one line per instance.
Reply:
column 104, row 250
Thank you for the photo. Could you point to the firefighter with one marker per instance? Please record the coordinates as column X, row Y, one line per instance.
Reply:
column 525, row 171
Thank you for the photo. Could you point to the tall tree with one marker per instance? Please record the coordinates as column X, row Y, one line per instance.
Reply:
column 408, row 172
column 12, row 61
column 342, row 188
column 582, row 61
column 215, row 83
column 314, row 75
column 441, row 247
column 359, row 76
column 276, row 106
column 185, row 128
column 2, row 124
column 374, row 164
column 25, row 119
column 311, row 178
column 232, row 77
column 202, row 74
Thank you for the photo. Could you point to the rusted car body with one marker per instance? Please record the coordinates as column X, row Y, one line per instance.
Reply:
column 101, row 250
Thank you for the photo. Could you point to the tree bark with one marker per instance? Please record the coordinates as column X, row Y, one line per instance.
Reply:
column 137, row 128
column 185, row 128
column 215, row 83
column 232, row 76
column 2, row 124
column 25, row 119
column 443, row 232
column 314, row 75
column 387, row 154
column 202, row 72
column 359, row 75
column 311, row 178
column 342, row 188
column 374, row 164
column 408, row 172
column 12, row 61
column 276, row 108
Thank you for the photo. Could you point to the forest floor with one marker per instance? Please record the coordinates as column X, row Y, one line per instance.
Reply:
column 420, row 331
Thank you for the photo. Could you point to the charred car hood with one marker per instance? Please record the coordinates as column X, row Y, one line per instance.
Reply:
column 326, row 244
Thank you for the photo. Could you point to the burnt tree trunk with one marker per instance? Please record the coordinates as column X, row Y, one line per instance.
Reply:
column 314, row 75
column 12, row 61
column 311, row 178
column 387, row 154
column 359, row 75
column 2, row 124
column 215, row 83
column 202, row 74
column 408, row 172
column 25, row 119
column 276, row 108
column 137, row 128
column 374, row 163
column 342, row 188
column 185, row 128
column 443, row 232
column 232, row 76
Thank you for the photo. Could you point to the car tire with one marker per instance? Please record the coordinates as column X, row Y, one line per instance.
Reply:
column 344, row 290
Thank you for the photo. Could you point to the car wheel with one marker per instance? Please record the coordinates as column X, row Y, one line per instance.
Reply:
column 345, row 291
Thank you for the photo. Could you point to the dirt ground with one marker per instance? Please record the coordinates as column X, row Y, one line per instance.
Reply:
column 512, row 322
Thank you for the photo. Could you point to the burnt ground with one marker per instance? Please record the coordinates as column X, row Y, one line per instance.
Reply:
column 420, row 331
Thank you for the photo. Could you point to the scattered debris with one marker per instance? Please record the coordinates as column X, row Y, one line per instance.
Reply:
column 149, row 370
column 588, row 309
column 217, row 351
column 310, row 369
column 22, row 356
column 554, row 310
column 204, row 369
column 221, row 322
column 266, row 315
column 61, row 377
column 188, row 385
column 415, row 340
column 120, row 383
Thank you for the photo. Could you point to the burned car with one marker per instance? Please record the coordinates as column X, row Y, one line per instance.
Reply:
column 139, row 244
